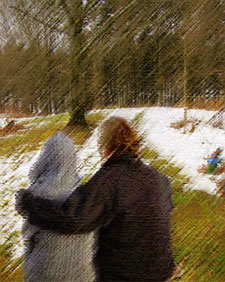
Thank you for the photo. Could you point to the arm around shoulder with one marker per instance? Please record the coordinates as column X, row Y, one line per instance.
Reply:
column 88, row 207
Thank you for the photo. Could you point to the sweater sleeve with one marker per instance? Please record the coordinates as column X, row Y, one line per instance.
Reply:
column 89, row 207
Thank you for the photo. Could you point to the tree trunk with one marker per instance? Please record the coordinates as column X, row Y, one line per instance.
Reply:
column 77, row 65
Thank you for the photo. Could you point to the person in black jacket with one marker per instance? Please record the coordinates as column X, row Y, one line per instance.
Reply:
column 127, row 201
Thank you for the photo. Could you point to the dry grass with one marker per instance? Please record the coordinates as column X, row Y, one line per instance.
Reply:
column 220, row 169
column 11, row 127
column 221, row 187
column 202, row 104
column 218, row 124
column 191, row 123
column 203, row 168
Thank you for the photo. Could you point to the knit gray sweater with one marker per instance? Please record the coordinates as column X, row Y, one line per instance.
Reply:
column 48, row 256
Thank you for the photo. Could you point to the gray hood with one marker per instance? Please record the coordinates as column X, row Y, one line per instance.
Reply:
column 54, row 174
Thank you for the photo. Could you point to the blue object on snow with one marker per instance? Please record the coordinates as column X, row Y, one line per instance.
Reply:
column 213, row 160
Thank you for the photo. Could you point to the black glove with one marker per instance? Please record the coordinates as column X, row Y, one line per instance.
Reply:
column 23, row 198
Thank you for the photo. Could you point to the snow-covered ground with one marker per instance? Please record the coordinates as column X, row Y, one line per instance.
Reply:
column 186, row 150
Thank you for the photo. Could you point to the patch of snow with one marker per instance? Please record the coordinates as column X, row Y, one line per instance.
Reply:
column 188, row 150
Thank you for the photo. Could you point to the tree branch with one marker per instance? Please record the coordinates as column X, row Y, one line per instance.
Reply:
column 26, row 13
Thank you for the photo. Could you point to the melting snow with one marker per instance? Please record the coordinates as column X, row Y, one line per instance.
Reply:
column 187, row 150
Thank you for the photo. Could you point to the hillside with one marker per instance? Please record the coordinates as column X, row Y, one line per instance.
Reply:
column 197, row 220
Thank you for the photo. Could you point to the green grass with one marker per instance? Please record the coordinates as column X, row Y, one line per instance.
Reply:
column 31, row 138
column 198, row 235
column 198, row 219
column 95, row 118
column 138, row 117
column 59, row 118
column 10, row 269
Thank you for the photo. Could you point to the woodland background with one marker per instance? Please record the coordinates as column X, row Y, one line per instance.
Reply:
column 65, row 55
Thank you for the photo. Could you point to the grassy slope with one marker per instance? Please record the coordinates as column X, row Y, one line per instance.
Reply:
column 197, row 220
column 198, row 227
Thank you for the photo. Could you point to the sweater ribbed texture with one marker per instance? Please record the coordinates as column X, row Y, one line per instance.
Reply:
column 48, row 256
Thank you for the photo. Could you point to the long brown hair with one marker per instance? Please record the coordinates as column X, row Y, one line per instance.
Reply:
column 115, row 134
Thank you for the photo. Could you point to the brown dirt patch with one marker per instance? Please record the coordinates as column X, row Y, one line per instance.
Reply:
column 10, row 128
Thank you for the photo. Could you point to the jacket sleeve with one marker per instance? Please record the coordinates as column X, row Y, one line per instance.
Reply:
column 168, row 195
column 89, row 207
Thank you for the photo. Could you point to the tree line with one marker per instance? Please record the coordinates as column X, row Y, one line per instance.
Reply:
column 75, row 55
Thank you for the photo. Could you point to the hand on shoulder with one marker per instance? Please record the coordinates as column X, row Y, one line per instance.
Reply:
column 22, row 197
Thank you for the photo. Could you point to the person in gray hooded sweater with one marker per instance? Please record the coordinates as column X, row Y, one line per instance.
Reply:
column 49, row 256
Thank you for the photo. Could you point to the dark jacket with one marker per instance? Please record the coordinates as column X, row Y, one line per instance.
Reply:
column 130, row 203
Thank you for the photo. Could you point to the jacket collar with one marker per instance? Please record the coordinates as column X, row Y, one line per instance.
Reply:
column 121, row 155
